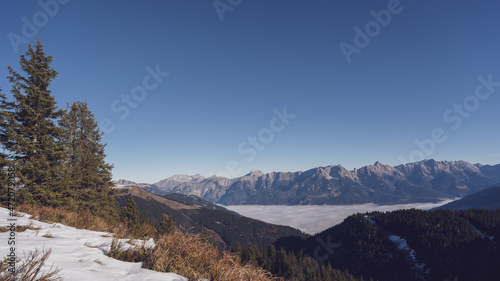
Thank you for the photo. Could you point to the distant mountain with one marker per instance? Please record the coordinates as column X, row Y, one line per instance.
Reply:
column 195, row 215
column 486, row 199
column 492, row 172
column 124, row 183
column 424, row 181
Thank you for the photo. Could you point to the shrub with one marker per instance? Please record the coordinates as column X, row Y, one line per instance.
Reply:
column 30, row 268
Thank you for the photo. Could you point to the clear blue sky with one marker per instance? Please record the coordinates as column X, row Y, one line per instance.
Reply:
column 226, row 77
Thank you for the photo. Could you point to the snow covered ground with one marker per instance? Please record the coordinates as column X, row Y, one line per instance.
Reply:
column 403, row 245
column 79, row 253
column 482, row 234
column 370, row 220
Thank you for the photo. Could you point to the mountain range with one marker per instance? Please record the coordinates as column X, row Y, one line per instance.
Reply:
column 424, row 181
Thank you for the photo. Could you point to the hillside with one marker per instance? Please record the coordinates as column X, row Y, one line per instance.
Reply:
column 424, row 181
column 196, row 202
column 193, row 214
column 486, row 199
column 410, row 245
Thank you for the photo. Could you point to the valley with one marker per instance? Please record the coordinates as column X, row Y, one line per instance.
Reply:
column 313, row 219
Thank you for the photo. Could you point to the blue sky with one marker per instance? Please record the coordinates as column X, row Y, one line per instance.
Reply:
column 231, row 79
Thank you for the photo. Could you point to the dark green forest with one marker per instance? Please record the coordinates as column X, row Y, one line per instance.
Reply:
column 447, row 245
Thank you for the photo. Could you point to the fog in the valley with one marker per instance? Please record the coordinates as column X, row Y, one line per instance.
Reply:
column 316, row 218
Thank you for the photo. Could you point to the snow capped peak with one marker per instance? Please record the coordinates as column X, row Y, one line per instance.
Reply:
column 339, row 171
column 379, row 165
column 122, row 182
column 198, row 177
column 256, row 173
column 325, row 174
column 186, row 178
column 378, row 168
column 336, row 168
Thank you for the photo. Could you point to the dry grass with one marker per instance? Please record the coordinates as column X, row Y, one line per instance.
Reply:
column 30, row 269
column 191, row 257
column 21, row 228
column 30, row 226
column 82, row 220
column 86, row 220
column 185, row 254
column 48, row 235
column 139, row 192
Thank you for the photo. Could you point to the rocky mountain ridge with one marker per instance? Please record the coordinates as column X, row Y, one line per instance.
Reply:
column 424, row 181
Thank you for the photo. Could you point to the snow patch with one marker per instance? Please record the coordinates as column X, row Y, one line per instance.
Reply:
column 79, row 253
column 482, row 234
column 478, row 231
column 370, row 220
column 403, row 245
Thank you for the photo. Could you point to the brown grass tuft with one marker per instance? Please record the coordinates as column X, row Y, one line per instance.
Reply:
column 192, row 257
column 30, row 268
column 21, row 228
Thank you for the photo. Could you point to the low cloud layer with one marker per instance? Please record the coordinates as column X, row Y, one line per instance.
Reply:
column 316, row 218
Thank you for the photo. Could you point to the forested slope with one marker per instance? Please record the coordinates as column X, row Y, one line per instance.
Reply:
column 409, row 245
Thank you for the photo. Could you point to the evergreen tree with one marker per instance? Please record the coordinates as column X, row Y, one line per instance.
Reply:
column 32, row 134
column 166, row 225
column 249, row 254
column 5, row 114
column 271, row 253
column 237, row 248
column 130, row 213
column 87, row 172
column 206, row 236
column 144, row 218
